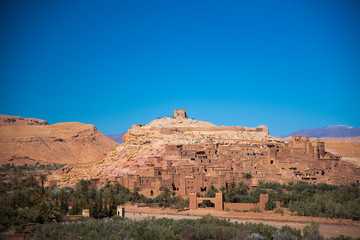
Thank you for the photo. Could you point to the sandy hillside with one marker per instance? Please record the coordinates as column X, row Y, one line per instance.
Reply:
column 29, row 141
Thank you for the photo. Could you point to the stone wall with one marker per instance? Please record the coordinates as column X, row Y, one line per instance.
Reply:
column 240, row 206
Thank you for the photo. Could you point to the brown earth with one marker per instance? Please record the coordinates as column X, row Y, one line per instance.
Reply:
column 27, row 141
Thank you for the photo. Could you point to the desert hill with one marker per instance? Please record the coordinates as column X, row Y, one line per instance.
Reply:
column 149, row 140
column 7, row 120
column 28, row 140
column 179, row 130
column 329, row 131
column 169, row 122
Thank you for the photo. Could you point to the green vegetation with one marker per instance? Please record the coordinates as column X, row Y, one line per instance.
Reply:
column 248, row 175
column 317, row 200
column 206, row 227
column 12, row 168
column 24, row 200
column 320, row 201
column 167, row 199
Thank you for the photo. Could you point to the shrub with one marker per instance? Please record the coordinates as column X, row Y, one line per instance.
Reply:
column 311, row 232
column 254, row 236
column 279, row 210
column 284, row 236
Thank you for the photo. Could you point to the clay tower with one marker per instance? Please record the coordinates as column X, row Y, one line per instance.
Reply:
column 180, row 113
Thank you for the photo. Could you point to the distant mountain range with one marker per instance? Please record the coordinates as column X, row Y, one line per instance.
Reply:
column 117, row 137
column 330, row 131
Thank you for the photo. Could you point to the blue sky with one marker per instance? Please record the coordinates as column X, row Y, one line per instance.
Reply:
column 286, row 64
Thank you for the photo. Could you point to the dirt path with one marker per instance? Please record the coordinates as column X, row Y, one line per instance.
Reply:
column 328, row 227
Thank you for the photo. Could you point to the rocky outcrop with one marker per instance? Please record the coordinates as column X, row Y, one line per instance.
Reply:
column 172, row 130
column 6, row 120
column 24, row 140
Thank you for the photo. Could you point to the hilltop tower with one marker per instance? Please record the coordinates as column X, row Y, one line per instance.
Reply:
column 180, row 113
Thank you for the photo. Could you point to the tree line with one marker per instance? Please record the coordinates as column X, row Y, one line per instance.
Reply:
column 207, row 227
column 316, row 200
column 13, row 168
column 25, row 199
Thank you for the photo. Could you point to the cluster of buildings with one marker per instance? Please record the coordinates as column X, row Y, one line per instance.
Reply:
column 189, row 166
column 193, row 168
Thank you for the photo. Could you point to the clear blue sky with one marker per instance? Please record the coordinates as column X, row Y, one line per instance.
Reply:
column 286, row 64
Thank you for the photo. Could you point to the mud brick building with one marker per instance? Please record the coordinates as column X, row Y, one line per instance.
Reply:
column 191, row 168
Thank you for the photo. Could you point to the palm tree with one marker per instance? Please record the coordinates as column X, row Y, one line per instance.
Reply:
column 247, row 175
column 136, row 193
column 64, row 197
column 48, row 211
column 43, row 179
column 231, row 192
column 31, row 181
column 165, row 194
column 212, row 191
column 243, row 188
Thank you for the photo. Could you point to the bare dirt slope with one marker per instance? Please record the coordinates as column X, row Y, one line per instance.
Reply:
column 29, row 141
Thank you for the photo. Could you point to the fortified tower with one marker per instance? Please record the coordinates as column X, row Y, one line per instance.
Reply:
column 180, row 113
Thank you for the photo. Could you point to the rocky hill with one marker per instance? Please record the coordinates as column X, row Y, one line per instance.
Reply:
column 29, row 140
column 6, row 120
column 176, row 130
column 149, row 140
